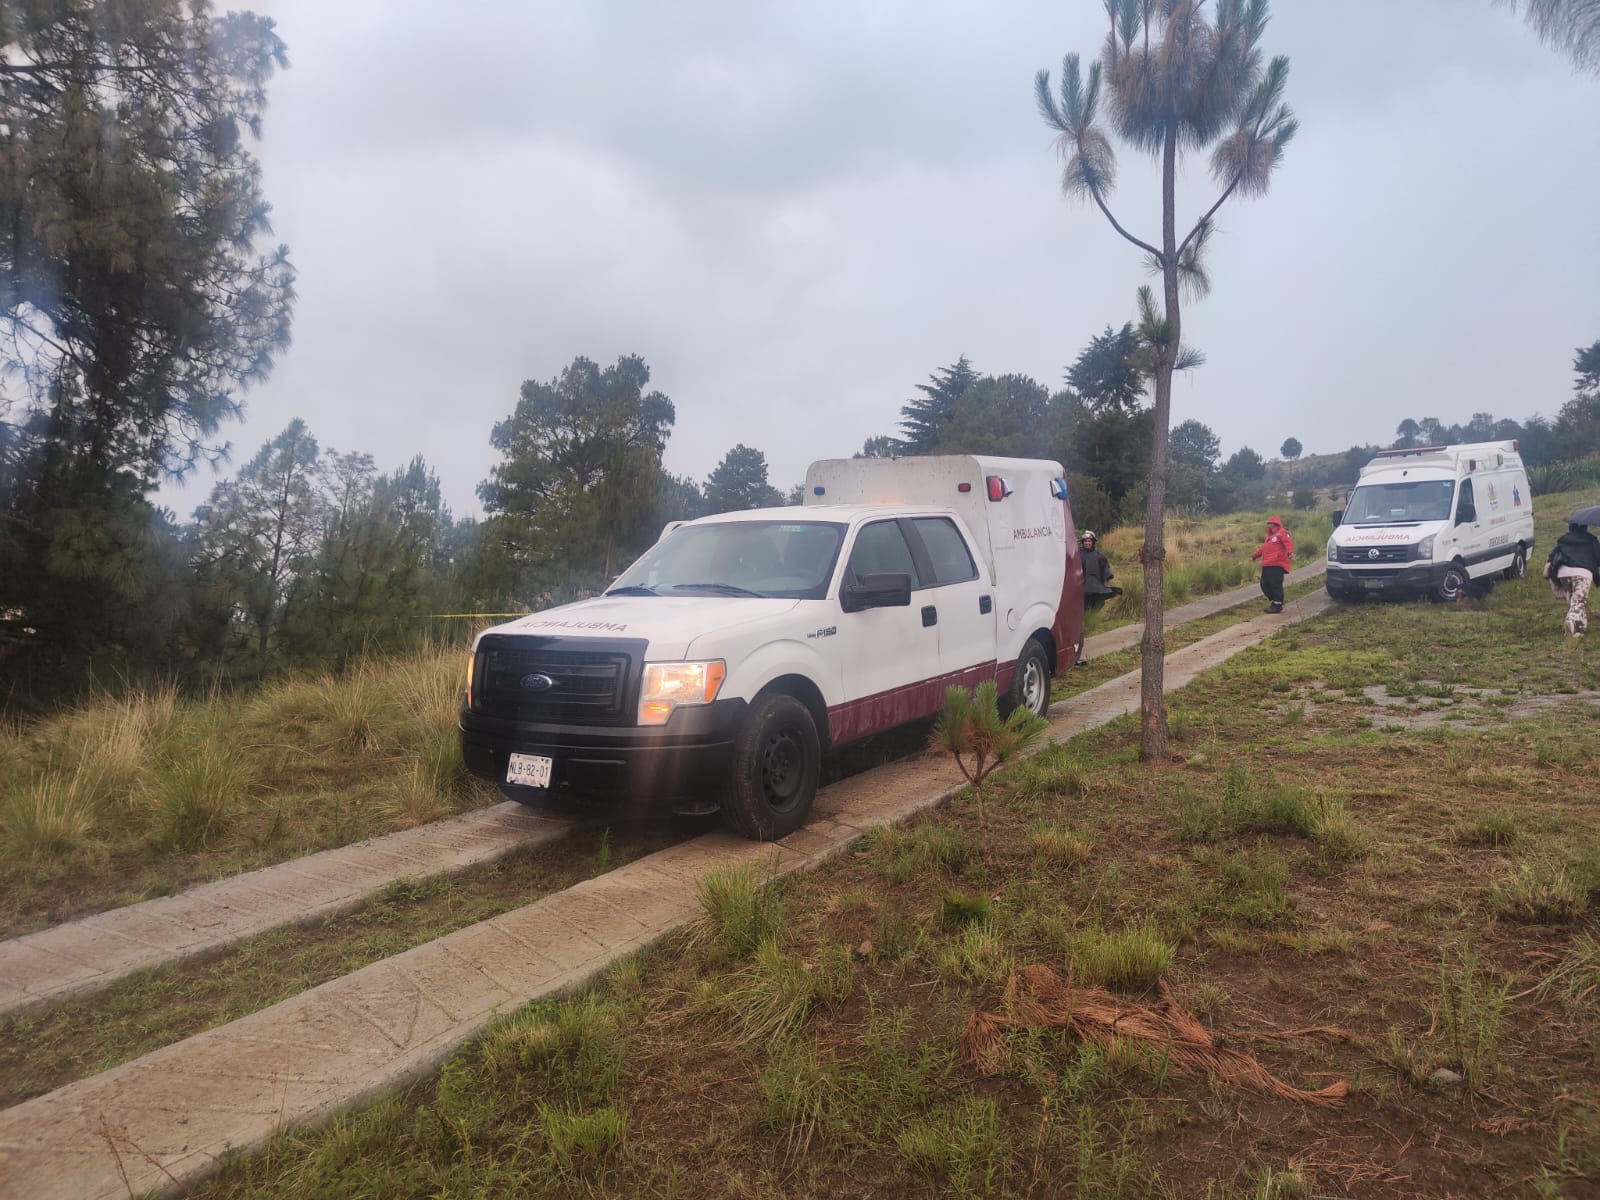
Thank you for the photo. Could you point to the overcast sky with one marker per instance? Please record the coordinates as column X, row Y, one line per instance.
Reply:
column 795, row 212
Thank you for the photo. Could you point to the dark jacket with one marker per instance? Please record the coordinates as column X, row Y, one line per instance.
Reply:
column 1097, row 574
column 1576, row 548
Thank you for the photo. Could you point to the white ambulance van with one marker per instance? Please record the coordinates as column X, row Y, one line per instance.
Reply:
column 719, row 667
column 1436, row 521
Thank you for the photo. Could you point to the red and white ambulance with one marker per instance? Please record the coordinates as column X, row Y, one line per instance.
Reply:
column 721, row 666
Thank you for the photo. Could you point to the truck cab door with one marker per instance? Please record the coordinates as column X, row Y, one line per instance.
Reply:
column 882, row 654
column 1467, row 531
column 961, row 598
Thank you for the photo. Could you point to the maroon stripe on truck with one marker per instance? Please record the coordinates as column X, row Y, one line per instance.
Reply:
column 1068, row 627
column 873, row 714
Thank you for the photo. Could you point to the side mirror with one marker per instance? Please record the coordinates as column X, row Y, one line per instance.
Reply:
column 1338, row 517
column 876, row 591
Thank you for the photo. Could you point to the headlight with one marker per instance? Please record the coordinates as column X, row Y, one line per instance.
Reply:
column 1425, row 546
column 666, row 686
column 1333, row 551
column 472, row 660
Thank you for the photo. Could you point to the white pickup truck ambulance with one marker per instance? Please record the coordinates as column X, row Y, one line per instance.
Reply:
column 717, row 669
column 1435, row 521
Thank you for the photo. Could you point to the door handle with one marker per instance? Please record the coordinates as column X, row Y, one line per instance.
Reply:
column 930, row 615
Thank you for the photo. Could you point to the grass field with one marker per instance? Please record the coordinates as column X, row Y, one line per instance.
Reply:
column 1369, row 878
column 143, row 795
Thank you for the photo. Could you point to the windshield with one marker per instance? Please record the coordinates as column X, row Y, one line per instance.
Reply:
column 1422, row 500
column 791, row 559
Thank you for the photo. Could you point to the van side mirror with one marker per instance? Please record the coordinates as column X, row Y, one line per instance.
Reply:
column 876, row 591
column 1338, row 517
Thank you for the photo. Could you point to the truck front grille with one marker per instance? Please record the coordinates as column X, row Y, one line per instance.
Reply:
column 568, row 681
column 1360, row 555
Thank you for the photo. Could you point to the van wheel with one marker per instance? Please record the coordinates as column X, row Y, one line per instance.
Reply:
column 1030, row 683
column 777, row 761
column 1519, row 565
column 1451, row 585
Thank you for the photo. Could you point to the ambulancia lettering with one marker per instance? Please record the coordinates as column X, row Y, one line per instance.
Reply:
column 1038, row 531
column 599, row 626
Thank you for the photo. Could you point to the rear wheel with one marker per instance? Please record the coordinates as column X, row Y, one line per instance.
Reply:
column 777, row 761
column 1519, row 565
column 1030, row 683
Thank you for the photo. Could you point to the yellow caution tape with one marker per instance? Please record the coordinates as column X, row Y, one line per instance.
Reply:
column 465, row 616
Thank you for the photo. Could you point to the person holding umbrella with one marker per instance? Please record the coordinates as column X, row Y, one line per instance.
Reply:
column 1097, row 572
column 1574, row 566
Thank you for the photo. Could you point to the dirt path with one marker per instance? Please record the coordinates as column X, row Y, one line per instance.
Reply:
column 168, row 1118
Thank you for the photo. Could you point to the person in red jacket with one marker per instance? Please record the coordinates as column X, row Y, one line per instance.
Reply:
column 1276, row 555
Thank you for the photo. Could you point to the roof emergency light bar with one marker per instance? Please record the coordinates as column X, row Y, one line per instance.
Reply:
column 1412, row 450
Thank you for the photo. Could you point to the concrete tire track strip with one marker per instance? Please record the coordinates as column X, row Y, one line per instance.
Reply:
column 169, row 1118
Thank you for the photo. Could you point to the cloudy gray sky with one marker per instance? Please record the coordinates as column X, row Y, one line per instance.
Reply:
column 797, row 211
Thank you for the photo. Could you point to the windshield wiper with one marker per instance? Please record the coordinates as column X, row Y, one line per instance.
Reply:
column 633, row 590
column 722, row 589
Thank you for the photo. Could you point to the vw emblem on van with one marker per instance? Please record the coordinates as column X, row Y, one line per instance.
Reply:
column 1373, row 553
column 537, row 683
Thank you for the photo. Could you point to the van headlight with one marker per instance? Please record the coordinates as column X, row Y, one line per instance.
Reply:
column 667, row 686
column 1333, row 551
column 1425, row 546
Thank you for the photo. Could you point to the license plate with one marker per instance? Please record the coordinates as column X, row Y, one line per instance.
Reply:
column 1372, row 583
column 529, row 770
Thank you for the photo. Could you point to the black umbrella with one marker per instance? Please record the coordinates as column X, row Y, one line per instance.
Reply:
column 1586, row 516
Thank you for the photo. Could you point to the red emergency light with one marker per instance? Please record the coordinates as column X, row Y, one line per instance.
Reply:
column 997, row 487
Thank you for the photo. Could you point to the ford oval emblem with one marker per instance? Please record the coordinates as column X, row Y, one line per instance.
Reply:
column 537, row 683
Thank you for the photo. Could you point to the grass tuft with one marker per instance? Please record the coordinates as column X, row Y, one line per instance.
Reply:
column 48, row 818
column 1468, row 1014
column 1539, row 893
column 977, row 957
column 958, row 908
column 963, row 1146
column 577, row 1139
column 1059, row 846
column 770, row 998
column 740, row 911
column 188, row 797
column 1133, row 959
column 1491, row 829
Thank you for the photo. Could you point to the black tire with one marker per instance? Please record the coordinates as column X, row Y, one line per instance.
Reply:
column 1518, row 567
column 777, row 761
column 1451, row 585
column 1030, row 682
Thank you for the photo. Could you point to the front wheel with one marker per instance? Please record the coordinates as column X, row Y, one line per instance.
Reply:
column 1030, row 683
column 777, row 761
column 1519, row 565
column 1451, row 584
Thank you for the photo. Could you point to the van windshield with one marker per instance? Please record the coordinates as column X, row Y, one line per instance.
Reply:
column 789, row 559
column 1386, row 503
